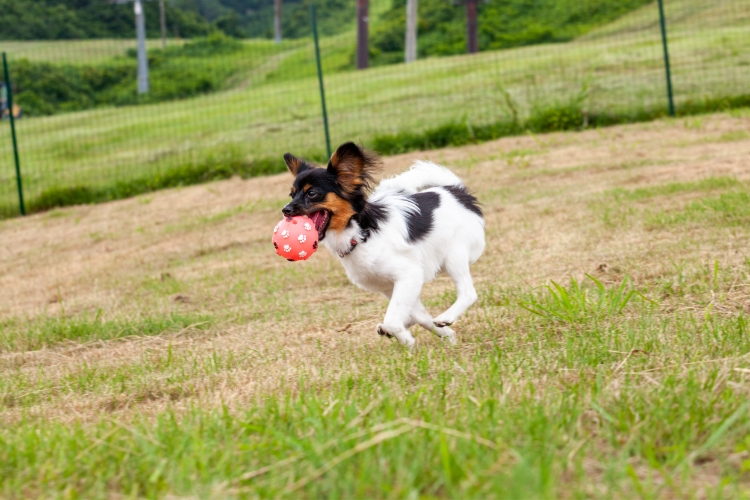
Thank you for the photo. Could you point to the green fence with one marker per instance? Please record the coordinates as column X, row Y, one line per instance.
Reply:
column 219, row 106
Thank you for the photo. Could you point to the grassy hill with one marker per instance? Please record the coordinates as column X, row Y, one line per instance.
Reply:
column 273, row 105
column 502, row 24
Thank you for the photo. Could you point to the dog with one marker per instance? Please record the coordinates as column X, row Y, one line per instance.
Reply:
column 397, row 237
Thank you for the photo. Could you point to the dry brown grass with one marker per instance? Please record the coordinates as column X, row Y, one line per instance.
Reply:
column 542, row 197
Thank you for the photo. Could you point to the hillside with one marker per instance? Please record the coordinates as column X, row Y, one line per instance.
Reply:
column 502, row 24
column 273, row 104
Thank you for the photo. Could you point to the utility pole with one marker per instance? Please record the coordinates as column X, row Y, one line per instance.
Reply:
column 277, row 21
column 410, row 52
column 163, row 22
column 363, row 49
column 140, row 31
column 140, row 35
column 472, row 41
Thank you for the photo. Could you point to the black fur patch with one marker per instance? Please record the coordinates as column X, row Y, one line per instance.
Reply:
column 465, row 198
column 371, row 216
column 419, row 225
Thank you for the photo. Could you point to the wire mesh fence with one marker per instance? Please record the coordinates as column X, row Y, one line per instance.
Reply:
column 219, row 106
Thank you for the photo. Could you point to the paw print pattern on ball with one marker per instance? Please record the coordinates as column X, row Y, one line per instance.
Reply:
column 295, row 238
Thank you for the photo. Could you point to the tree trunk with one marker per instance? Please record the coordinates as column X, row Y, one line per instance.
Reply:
column 277, row 21
column 363, row 49
column 163, row 24
column 410, row 53
column 472, row 42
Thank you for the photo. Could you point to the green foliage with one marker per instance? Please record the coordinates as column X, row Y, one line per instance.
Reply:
column 449, row 134
column 75, row 19
column 223, row 166
column 254, row 18
column 550, row 118
column 180, row 71
column 502, row 24
column 577, row 304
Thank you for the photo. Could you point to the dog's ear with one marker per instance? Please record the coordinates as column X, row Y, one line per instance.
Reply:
column 294, row 164
column 353, row 167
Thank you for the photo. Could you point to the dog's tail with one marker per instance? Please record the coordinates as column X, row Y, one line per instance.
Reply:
column 421, row 175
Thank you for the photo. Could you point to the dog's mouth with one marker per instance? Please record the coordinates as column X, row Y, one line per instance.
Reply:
column 321, row 219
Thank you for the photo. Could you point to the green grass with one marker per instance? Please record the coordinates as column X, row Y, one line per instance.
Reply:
column 600, row 360
column 728, row 204
column 275, row 107
column 478, row 424
column 32, row 335
column 708, row 184
column 727, row 209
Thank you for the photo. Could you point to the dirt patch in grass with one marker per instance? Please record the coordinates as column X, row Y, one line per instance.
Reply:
column 206, row 249
column 96, row 257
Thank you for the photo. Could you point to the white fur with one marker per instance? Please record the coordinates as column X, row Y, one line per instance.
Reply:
column 389, row 264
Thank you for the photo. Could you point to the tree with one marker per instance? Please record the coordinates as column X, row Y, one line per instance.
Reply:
column 472, row 41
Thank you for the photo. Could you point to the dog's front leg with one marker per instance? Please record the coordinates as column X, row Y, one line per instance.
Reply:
column 398, row 316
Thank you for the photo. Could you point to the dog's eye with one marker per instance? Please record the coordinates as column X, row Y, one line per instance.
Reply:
column 291, row 194
column 312, row 194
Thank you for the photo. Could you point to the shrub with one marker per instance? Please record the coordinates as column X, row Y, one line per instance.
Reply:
column 502, row 24
column 182, row 71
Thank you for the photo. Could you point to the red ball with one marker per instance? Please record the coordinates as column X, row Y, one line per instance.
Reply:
column 295, row 238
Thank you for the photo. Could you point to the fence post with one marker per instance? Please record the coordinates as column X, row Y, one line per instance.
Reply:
column 666, row 57
column 9, row 105
column 320, row 78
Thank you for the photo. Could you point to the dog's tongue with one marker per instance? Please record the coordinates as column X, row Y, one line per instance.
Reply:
column 318, row 219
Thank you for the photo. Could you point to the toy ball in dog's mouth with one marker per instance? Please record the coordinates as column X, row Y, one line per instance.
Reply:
column 296, row 238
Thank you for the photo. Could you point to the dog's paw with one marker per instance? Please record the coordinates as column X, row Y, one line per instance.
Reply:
column 382, row 331
column 402, row 335
column 443, row 324
column 446, row 334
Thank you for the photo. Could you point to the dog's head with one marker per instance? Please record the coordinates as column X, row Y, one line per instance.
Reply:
column 331, row 196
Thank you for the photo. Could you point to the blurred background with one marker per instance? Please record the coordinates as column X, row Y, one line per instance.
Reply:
column 217, row 88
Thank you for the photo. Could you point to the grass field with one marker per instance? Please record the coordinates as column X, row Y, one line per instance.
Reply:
column 275, row 107
column 157, row 346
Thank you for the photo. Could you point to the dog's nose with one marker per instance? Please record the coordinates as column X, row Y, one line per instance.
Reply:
column 287, row 210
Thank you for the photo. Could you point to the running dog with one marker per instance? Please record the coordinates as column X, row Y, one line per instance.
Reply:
column 397, row 237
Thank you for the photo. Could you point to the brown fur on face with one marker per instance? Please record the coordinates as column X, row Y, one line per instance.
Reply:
column 341, row 211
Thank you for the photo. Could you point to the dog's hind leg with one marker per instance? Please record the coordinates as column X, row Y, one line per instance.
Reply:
column 458, row 269
column 398, row 316
column 423, row 318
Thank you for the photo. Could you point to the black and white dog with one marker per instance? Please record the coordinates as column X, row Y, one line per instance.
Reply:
column 396, row 238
